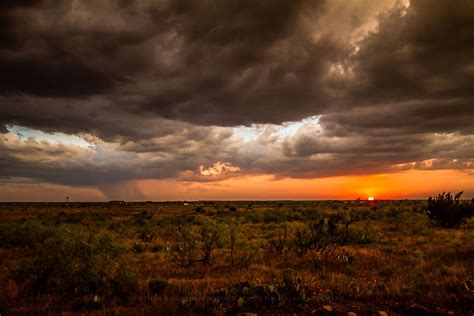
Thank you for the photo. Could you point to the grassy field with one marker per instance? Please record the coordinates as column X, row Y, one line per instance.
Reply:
column 228, row 258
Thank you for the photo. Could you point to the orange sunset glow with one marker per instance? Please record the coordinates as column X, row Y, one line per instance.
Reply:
column 259, row 187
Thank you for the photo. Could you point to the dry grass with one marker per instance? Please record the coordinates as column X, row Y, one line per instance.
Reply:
column 396, row 260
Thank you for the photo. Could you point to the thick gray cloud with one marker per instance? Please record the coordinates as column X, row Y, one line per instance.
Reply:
column 224, row 63
column 415, row 74
column 158, row 85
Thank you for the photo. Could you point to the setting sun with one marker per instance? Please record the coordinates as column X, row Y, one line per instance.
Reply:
column 370, row 198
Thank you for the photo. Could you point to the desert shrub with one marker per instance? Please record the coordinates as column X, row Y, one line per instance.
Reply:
column 288, row 294
column 270, row 217
column 158, row 286
column 142, row 219
column 242, row 250
column 233, row 209
column 279, row 243
column 254, row 217
column 196, row 242
column 363, row 235
column 292, row 288
column 410, row 221
column 200, row 209
column 175, row 220
column 27, row 234
column 71, row 218
column 139, row 247
column 185, row 247
column 74, row 262
column 146, row 236
column 320, row 231
column 157, row 248
column 449, row 211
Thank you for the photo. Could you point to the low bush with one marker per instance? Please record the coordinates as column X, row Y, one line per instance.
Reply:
column 73, row 262
column 28, row 234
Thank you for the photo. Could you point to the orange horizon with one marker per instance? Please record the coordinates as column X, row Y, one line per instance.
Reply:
column 413, row 184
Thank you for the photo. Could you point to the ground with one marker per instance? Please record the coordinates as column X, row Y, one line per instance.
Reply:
column 227, row 258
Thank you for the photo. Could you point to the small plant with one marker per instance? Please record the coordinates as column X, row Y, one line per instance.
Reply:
column 200, row 209
column 146, row 236
column 157, row 248
column 139, row 248
column 158, row 286
column 449, row 211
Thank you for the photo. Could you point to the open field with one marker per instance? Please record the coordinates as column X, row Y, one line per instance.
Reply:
column 206, row 258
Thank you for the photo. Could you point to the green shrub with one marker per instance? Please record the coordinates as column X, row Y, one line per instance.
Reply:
column 410, row 221
column 271, row 217
column 28, row 234
column 196, row 242
column 319, row 232
column 242, row 250
column 363, row 235
column 71, row 218
column 280, row 241
column 73, row 262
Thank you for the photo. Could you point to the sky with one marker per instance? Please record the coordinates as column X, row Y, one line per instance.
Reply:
column 223, row 99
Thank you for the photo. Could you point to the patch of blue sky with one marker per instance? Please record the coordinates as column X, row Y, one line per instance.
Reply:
column 247, row 133
column 26, row 133
column 290, row 128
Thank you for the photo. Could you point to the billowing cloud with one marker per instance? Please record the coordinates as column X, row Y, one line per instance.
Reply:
column 163, row 89
column 218, row 168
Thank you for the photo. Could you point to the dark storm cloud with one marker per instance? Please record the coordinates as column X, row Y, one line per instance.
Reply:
column 415, row 74
column 148, row 81
column 403, row 118
column 27, row 75
column 425, row 53
column 222, row 63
